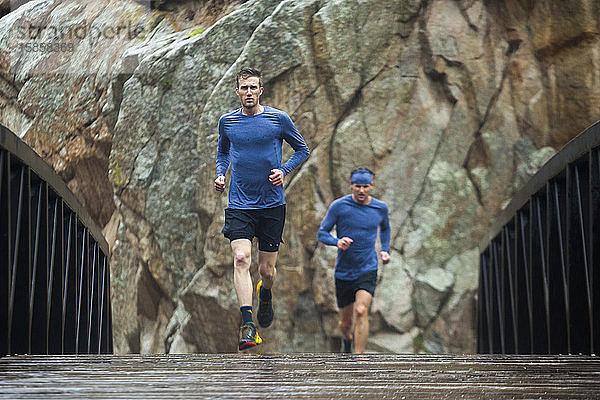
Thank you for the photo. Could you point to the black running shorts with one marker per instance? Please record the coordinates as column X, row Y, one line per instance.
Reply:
column 264, row 223
column 345, row 291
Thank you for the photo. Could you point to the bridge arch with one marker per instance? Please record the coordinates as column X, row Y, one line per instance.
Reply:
column 539, row 284
column 54, row 262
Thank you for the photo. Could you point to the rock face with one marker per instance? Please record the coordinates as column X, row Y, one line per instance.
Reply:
column 454, row 104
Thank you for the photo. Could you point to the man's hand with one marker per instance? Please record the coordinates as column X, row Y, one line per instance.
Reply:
column 344, row 243
column 220, row 183
column 276, row 177
column 385, row 257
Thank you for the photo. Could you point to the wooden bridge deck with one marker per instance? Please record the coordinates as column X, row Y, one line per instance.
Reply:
column 301, row 376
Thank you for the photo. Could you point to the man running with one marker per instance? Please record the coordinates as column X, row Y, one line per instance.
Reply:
column 357, row 217
column 251, row 139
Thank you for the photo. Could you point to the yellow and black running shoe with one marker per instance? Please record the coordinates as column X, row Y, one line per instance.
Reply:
column 249, row 336
column 265, row 308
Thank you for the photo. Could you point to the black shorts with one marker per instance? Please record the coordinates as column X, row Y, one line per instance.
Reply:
column 264, row 223
column 345, row 291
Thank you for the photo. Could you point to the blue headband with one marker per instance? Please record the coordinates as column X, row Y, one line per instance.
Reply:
column 362, row 177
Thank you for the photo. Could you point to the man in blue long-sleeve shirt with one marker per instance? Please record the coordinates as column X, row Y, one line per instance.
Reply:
column 251, row 139
column 357, row 218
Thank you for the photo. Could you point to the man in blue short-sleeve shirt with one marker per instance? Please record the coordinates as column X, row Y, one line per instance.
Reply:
column 250, row 141
column 357, row 218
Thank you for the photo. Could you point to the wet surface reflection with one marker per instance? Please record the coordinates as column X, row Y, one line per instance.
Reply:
column 301, row 376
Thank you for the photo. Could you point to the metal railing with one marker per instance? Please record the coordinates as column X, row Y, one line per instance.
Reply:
column 55, row 280
column 539, row 285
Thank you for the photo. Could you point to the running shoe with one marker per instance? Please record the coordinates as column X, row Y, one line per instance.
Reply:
column 347, row 346
column 265, row 309
column 248, row 336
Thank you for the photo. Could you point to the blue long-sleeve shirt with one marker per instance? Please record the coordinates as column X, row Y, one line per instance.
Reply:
column 360, row 223
column 253, row 146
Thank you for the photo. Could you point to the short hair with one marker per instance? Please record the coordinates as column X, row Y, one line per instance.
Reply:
column 247, row 72
column 361, row 169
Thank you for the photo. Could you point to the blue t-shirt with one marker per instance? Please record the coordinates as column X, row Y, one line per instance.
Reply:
column 360, row 223
column 253, row 145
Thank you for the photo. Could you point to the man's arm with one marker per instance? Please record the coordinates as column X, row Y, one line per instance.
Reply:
column 385, row 236
column 325, row 237
column 222, row 159
column 296, row 141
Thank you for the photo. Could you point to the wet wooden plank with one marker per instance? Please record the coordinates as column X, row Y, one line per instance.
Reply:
column 301, row 376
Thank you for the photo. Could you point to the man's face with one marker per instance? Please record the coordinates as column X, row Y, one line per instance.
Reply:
column 249, row 91
column 361, row 192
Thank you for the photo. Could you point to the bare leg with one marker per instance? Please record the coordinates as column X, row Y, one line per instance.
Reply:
column 266, row 267
column 361, row 332
column 242, row 281
column 346, row 321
